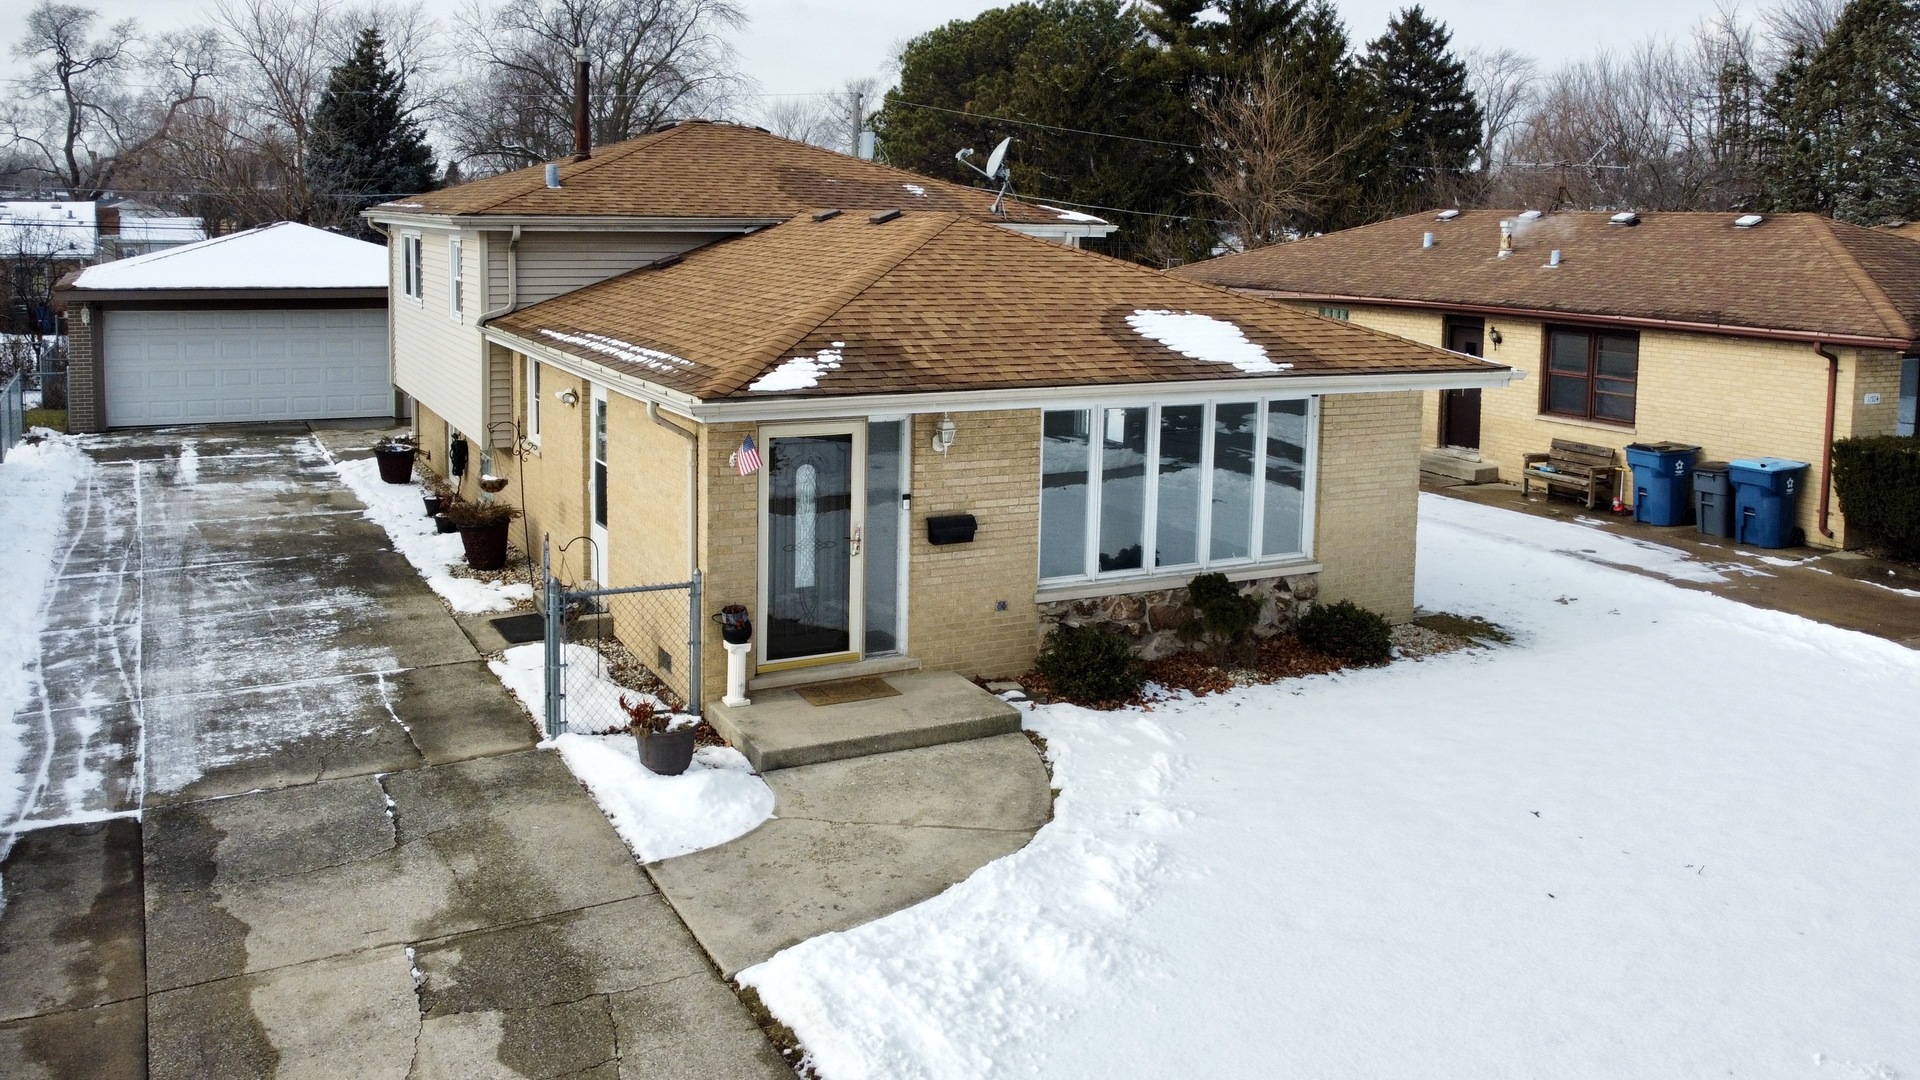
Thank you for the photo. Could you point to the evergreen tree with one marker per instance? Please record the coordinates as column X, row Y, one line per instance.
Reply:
column 365, row 146
column 1844, row 119
column 1429, row 117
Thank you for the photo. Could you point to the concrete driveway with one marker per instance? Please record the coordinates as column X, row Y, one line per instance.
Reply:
column 287, row 824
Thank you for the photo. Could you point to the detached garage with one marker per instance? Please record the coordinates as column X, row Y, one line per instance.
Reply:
column 283, row 322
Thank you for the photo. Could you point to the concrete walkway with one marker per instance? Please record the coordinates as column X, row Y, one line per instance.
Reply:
column 348, row 860
column 853, row 840
column 1839, row 588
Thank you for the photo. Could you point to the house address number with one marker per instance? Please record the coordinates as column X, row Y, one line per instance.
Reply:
column 1871, row 399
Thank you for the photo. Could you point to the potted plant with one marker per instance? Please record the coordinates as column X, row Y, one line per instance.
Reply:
column 666, row 740
column 396, row 460
column 735, row 627
column 483, row 531
column 437, row 498
column 492, row 484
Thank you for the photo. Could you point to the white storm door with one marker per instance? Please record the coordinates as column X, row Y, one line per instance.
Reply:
column 597, row 486
column 812, row 571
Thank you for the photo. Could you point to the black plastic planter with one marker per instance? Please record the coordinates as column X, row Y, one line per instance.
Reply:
column 435, row 504
column 445, row 524
column 735, row 627
column 668, row 753
column 486, row 545
column 396, row 463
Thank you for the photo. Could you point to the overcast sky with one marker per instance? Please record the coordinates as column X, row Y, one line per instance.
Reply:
column 807, row 46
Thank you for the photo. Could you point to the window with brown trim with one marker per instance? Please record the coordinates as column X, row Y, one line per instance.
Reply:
column 1591, row 374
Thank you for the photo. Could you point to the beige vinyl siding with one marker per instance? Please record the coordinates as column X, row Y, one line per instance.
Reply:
column 555, row 263
column 435, row 358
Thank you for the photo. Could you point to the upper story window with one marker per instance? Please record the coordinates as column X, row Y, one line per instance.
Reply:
column 1336, row 313
column 1161, row 488
column 455, row 280
column 1592, row 374
column 410, row 252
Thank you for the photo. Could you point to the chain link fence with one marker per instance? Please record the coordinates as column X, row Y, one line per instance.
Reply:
column 609, row 650
column 13, row 418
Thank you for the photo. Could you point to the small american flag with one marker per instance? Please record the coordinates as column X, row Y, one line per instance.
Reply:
column 748, row 459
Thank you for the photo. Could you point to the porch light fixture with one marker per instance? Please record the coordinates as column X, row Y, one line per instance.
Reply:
column 1494, row 333
column 943, row 438
column 568, row 397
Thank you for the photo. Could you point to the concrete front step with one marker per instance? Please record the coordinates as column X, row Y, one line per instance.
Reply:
column 781, row 730
column 1452, row 465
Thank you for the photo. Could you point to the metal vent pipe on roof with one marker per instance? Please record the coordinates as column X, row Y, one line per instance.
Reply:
column 553, row 175
column 582, row 137
column 1426, row 240
column 1553, row 257
column 1506, row 238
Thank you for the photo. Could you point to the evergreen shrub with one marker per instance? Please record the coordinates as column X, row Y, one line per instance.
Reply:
column 1348, row 631
column 1878, row 479
column 1090, row 664
column 1222, row 616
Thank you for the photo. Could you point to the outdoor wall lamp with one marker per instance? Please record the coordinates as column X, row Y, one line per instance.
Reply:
column 1494, row 334
column 943, row 438
column 568, row 398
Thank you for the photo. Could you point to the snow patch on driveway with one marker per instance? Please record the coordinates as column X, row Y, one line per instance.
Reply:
column 401, row 511
column 34, row 483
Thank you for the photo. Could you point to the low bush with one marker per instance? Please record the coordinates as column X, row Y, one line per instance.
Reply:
column 1222, row 617
column 1348, row 631
column 471, row 515
column 1878, row 480
column 1090, row 664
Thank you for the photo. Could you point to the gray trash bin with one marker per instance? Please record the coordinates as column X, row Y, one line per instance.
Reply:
column 1712, row 498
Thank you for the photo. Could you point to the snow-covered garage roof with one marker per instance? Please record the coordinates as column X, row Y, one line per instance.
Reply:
column 51, row 230
column 284, row 255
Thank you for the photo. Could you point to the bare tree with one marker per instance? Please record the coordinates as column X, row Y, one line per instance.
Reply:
column 652, row 60
column 1797, row 24
column 829, row 119
column 1504, row 81
column 74, row 112
column 1270, row 166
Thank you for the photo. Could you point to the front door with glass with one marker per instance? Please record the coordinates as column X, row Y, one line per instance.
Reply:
column 813, row 507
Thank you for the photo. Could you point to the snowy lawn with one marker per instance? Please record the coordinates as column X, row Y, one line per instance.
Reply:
column 1701, row 860
column 718, row 798
column 400, row 509
column 34, row 482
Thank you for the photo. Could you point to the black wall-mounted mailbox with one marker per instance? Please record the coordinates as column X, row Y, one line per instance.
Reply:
column 951, row 529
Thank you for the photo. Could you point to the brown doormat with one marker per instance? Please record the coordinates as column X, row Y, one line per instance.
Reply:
column 839, row 693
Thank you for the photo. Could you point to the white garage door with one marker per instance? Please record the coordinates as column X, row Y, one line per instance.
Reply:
column 231, row 366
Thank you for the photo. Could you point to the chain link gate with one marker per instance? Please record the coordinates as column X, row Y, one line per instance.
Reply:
column 609, row 647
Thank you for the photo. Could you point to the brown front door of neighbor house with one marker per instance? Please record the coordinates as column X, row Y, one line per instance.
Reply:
column 1460, row 409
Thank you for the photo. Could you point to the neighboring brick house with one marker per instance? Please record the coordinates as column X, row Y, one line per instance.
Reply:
column 1108, row 431
column 1746, row 335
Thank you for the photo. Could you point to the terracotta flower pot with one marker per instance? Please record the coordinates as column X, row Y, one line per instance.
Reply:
column 486, row 545
column 667, row 753
column 396, row 463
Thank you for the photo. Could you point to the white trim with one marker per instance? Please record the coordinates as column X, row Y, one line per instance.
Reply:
column 1203, row 525
column 456, row 277
column 1124, row 586
column 412, row 271
column 601, row 566
column 856, row 563
column 530, row 397
column 581, row 223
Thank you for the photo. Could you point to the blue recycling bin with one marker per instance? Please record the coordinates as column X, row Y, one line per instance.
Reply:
column 1662, row 481
column 1766, row 500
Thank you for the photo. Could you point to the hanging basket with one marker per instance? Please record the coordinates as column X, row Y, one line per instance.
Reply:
column 493, row 485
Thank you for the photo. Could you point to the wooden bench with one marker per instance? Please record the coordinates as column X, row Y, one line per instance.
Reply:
column 1579, row 468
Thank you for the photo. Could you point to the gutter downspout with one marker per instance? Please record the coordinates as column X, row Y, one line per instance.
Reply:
column 693, row 484
column 513, row 278
column 413, row 422
column 1826, row 444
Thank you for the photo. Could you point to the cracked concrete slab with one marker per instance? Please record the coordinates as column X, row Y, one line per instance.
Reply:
column 72, row 934
column 105, row 1042
column 996, row 783
column 693, row 1029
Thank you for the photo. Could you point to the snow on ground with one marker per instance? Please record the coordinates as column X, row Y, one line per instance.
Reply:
column 1204, row 337
column 399, row 509
column 1698, row 860
column 34, row 482
column 718, row 798
column 1588, row 541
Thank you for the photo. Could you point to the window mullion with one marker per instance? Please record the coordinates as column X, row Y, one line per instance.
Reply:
column 1257, row 505
column 1096, row 458
column 1150, row 495
column 1203, row 529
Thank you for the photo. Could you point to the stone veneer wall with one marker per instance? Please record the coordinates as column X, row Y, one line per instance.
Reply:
column 1153, row 619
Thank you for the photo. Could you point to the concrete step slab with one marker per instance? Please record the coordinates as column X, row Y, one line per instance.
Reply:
column 782, row 730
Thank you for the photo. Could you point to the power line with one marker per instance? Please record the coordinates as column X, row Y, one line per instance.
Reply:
column 1049, row 127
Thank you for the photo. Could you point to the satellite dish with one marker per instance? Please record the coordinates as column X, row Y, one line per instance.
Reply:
column 997, row 160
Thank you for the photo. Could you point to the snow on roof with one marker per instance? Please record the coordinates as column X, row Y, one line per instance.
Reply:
column 1204, row 337
column 622, row 350
column 60, row 230
column 1073, row 215
column 284, row 255
column 161, row 229
column 800, row 372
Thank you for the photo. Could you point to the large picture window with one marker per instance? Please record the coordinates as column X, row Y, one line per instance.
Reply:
column 1149, row 488
column 1592, row 374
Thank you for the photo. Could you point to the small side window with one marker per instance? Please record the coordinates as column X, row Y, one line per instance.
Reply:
column 454, row 282
column 410, row 275
column 533, row 399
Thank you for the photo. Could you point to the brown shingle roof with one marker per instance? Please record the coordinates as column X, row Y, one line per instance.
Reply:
column 926, row 302
column 701, row 169
column 1798, row 273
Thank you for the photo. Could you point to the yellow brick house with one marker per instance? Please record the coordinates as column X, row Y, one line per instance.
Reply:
column 962, row 434
column 1747, row 335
